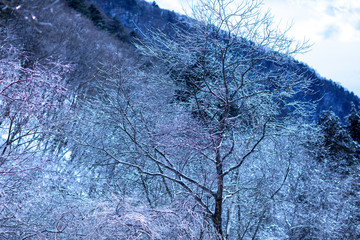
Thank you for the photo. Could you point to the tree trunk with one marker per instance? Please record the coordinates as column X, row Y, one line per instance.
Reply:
column 217, row 216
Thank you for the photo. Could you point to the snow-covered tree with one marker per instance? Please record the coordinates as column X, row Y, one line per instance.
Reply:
column 196, row 120
column 353, row 120
column 30, row 96
column 336, row 145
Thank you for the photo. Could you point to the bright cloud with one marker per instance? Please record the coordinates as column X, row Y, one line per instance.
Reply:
column 175, row 5
column 319, row 18
column 334, row 28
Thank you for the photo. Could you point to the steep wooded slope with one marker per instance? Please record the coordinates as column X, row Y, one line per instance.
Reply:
column 141, row 15
column 120, row 159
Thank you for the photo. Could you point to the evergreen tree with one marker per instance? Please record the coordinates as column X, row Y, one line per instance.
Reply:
column 154, row 4
column 80, row 6
column 354, row 123
column 333, row 131
column 338, row 145
column 96, row 18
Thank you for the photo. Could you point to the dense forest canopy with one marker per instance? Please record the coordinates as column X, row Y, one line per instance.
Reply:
column 120, row 120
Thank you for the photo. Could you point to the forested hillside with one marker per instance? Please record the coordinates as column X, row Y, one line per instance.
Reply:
column 143, row 16
column 121, row 120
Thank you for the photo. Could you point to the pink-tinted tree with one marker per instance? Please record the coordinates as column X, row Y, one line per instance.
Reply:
column 30, row 97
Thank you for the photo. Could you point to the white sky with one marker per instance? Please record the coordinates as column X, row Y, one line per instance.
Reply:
column 333, row 26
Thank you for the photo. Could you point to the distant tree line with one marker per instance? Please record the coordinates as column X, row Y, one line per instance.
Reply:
column 99, row 19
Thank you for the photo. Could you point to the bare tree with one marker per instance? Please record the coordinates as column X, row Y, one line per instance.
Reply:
column 30, row 96
column 201, row 140
column 216, row 93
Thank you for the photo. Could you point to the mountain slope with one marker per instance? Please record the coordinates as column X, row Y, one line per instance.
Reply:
column 129, row 154
column 141, row 15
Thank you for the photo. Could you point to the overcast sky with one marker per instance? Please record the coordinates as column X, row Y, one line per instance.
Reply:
column 333, row 26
